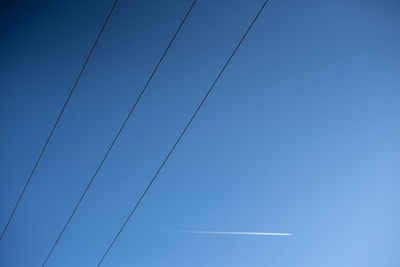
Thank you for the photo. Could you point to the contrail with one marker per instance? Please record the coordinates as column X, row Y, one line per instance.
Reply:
column 235, row 233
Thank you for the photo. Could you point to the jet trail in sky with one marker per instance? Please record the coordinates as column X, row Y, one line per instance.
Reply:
column 236, row 233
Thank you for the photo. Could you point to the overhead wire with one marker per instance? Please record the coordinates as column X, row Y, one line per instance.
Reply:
column 119, row 132
column 180, row 136
column 58, row 119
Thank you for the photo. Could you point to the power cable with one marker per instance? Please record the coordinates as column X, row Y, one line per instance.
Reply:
column 58, row 118
column 182, row 133
column 118, row 133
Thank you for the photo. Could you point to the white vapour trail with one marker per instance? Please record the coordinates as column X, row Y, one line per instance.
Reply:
column 235, row 233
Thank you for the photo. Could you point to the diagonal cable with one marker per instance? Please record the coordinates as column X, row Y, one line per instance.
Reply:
column 58, row 118
column 181, row 135
column 118, row 134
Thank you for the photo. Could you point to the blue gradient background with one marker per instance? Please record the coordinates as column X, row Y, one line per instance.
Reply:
column 301, row 134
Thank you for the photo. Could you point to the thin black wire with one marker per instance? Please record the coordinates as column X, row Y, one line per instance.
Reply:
column 119, row 132
column 59, row 117
column 182, row 133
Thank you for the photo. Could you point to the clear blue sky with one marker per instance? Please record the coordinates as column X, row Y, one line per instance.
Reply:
column 301, row 134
